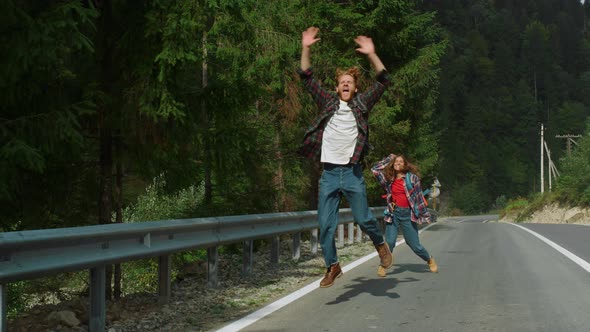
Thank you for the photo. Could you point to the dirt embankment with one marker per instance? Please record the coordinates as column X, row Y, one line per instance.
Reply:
column 555, row 214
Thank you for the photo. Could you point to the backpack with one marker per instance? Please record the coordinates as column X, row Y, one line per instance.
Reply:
column 411, row 191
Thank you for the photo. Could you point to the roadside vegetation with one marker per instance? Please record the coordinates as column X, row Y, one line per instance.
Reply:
column 572, row 188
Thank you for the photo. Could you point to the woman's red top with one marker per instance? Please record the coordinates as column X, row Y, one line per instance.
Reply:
column 398, row 193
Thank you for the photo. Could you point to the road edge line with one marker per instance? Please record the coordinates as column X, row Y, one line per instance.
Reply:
column 278, row 304
column 573, row 257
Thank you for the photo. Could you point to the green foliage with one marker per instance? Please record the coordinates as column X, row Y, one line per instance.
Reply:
column 516, row 204
column 141, row 67
column 536, row 45
column 535, row 203
column 404, row 123
column 573, row 186
column 571, row 117
column 470, row 199
column 192, row 256
column 17, row 298
column 46, row 101
column 521, row 209
column 495, row 91
column 22, row 295
column 514, row 207
column 155, row 204
column 141, row 276
column 39, row 122
column 500, row 203
column 176, row 27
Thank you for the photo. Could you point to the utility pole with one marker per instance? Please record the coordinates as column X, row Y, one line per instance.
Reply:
column 542, row 180
column 569, row 140
column 550, row 166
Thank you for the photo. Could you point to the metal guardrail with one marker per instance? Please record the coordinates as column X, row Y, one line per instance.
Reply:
column 31, row 254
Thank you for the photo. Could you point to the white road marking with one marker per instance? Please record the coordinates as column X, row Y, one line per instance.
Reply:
column 278, row 304
column 582, row 263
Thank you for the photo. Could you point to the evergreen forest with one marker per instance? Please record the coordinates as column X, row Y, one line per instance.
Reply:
column 119, row 111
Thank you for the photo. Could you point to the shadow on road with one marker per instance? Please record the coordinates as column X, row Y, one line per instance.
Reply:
column 375, row 287
column 440, row 227
column 416, row 268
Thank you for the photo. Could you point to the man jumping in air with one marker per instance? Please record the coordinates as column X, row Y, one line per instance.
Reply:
column 339, row 137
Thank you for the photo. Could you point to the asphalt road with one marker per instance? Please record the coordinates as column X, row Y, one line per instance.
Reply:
column 492, row 277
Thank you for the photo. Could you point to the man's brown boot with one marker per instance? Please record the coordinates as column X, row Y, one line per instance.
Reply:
column 384, row 255
column 333, row 272
column 381, row 270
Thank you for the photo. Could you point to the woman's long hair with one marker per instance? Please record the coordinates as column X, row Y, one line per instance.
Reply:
column 390, row 173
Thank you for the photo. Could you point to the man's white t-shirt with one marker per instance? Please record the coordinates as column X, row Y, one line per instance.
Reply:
column 340, row 134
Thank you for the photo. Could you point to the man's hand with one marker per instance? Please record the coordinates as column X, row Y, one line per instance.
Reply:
column 367, row 48
column 308, row 37
column 366, row 45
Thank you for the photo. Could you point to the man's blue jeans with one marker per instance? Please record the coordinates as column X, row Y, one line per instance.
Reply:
column 344, row 180
column 401, row 218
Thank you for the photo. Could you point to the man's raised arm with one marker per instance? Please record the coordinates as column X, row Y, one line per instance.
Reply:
column 308, row 38
column 367, row 47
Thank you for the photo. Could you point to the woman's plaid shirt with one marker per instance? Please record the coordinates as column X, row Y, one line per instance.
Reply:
column 328, row 103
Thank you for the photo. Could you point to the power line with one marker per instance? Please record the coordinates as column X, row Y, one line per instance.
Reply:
column 569, row 140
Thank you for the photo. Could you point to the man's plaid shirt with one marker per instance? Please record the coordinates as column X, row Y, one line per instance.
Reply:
column 329, row 102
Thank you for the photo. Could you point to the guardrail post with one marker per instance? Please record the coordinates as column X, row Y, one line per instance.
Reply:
column 247, row 257
column 97, row 299
column 296, row 253
column 212, row 264
column 340, row 235
column 351, row 233
column 359, row 234
column 314, row 241
column 164, row 276
column 274, row 251
column 3, row 308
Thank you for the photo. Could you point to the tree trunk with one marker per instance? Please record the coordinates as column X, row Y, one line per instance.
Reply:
column 104, row 127
column 118, row 209
column 278, row 181
column 207, row 145
column 106, row 165
column 535, row 84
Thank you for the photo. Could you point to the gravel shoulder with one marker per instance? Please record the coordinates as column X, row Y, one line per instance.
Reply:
column 194, row 306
